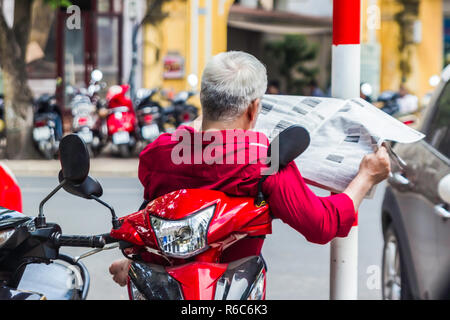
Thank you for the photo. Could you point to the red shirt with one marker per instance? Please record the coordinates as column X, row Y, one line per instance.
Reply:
column 164, row 167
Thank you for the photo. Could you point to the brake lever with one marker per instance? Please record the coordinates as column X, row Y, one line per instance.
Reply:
column 94, row 251
column 400, row 162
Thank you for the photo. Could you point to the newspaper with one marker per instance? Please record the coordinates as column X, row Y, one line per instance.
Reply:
column 341, row 131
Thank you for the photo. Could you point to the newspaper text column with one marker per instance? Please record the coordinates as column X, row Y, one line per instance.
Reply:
column 345, row 78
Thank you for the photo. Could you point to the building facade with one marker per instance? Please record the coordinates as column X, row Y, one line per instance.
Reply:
column 66, row 44
column 194, row 30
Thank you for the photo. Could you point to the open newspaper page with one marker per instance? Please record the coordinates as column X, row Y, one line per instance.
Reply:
column 341, row 131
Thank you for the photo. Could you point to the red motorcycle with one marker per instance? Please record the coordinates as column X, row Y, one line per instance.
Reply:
column 121, row 120
column 177, row 241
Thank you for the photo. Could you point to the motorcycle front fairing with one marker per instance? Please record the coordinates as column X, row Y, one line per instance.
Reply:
column 56, row 281
column 199, row 273
column 7, row 293
column 239, row 280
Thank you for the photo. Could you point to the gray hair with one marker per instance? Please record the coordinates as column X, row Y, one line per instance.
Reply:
column 230, row 82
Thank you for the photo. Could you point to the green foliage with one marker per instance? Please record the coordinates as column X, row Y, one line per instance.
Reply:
column 291, row 56
column 58, row 3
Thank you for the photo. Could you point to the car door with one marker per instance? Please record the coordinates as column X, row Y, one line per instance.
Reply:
column 438, row 137
column 416, row 191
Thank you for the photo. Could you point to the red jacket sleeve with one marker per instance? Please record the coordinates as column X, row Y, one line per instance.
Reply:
column 319, row 219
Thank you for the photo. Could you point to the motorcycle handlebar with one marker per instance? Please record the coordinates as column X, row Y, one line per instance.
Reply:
column 80, row 241
column 108, row 239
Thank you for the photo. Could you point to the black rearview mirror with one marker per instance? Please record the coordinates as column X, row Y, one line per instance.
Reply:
column 74, row 157
column 87, row 189
column 288, row 145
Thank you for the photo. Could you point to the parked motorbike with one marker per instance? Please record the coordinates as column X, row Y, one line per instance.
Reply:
column 187, row 231
column 85, row 120
column 149, row 115
column 179, row 112
column 2, row 128
column 121, row 120
column 389, row 102
column 47, row 126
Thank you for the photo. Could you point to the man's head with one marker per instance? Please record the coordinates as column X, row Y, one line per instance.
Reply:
column 233, row 84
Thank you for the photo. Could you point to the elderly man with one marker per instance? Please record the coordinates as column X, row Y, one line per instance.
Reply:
column 232, row 86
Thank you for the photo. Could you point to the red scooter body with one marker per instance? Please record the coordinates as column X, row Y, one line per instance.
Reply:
column 157, row 273
column 121, row 121
column 10, row 195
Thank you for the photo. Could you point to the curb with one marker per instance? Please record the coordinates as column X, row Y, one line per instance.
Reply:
column 102, row 167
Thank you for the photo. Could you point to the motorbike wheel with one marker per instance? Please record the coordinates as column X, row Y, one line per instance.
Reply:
column 95, row 151
column 48, row 153
column 124, row 151
column 90, row 151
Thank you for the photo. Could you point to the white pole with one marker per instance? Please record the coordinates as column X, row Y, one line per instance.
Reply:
column 345, row 78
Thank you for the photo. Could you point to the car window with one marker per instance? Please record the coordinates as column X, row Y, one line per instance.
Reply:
column 438, row 134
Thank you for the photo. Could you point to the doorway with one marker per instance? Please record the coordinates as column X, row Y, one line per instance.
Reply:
column 96, row 44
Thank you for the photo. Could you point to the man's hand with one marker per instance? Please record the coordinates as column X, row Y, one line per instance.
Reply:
column 374, row 168
column 119, row 270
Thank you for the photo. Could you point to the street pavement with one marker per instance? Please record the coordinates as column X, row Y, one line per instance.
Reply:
column 297, row 269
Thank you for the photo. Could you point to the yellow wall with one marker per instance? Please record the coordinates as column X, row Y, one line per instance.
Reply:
column 427, row 56
column 174, row 34
column 430, row 51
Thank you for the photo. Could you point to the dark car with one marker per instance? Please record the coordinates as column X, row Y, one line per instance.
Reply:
column 416, row 211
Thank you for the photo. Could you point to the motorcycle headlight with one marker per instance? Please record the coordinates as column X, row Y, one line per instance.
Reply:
column 183, row 238
column 257, row 291
column 5, row 235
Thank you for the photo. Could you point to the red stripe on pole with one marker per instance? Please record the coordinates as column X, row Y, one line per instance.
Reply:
column 346, row 21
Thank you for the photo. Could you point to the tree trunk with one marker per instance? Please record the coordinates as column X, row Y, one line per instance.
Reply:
column 18, row 96
column 18, row 117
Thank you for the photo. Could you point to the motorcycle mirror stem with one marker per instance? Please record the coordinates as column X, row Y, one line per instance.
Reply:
column 115, row 220
column 40, row 220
